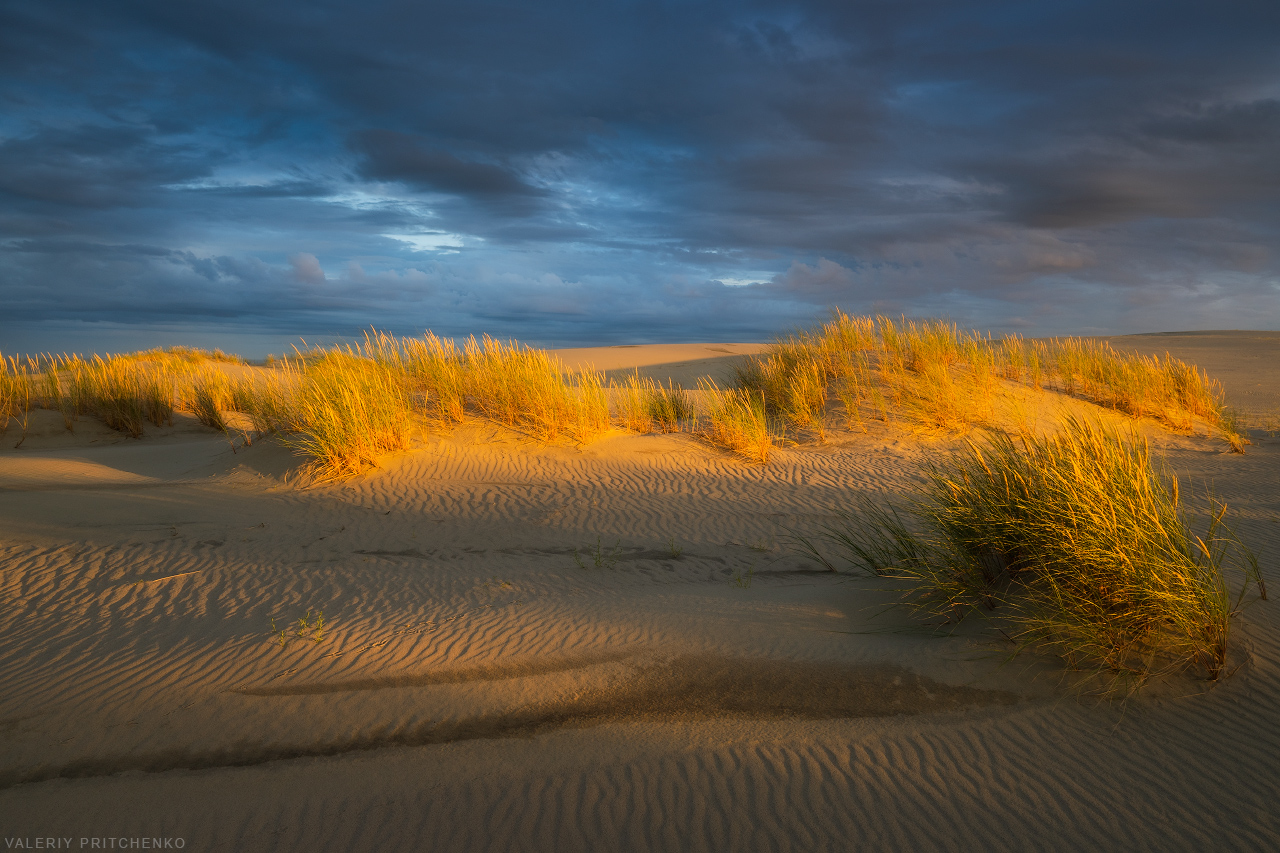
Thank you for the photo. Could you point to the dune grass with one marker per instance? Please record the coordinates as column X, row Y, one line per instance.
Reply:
column 934, row 376
column 17, row 387
column 1166, row 389
column 210, row 397
column 1077, row 543
column 346, row 411
column 530, row 389
column 929, row 376
column 736, row 419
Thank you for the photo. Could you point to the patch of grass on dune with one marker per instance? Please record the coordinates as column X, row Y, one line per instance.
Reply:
column 642, row 405
column 670, row 407
column 1077, row 543
column 530, row 389
column 935, row 376
column 122, row 392
column 506, row 382
column 347, row 410
column 736, row 419
column 631, row 402
column 343, row 406
column 1166, row 389
column 17, row 387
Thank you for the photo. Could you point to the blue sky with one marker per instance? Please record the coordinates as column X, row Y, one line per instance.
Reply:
column 596, row 172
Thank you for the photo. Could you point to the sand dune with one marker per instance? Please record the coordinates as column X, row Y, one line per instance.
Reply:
column 558, row 648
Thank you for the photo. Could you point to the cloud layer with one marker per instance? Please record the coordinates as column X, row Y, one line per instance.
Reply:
column 575, row 172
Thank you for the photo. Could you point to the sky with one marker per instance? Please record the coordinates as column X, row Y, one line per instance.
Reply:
column 579, row 173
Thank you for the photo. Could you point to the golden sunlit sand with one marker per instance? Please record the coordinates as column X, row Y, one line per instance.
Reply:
column 491, row 642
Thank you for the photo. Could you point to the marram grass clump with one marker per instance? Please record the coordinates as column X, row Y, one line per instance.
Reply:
column 934, row 376
column 1076, row 543
column 737, row 420
column 347, row 411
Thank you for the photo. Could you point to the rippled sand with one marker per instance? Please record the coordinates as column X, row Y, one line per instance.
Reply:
column 483, row 684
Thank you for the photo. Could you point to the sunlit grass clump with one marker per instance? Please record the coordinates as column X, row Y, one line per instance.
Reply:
column 345, row 406
column 642, row 405
column 1076, row 543
column 736, row 419
column 517, row 386
column 347, row 410
column 932, row 375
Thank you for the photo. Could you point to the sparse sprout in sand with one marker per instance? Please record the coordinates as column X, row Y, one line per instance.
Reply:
column 1078, row 543
column 1271, row 423
column 601, row 557
column 307, row 627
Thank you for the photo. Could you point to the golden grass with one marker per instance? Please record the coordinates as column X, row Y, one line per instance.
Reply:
column 736, row 419
column 631, row 402
column 1077, row 542
column 16, row 391
column 642, row 405
column 180, row 356
column 1166, row 389
column 348, row 410
column 671, row 407
column 934, row 376
column 508, row 383
column 923, row 375
column 530, row 389
column 123, row 392
column 931, row 374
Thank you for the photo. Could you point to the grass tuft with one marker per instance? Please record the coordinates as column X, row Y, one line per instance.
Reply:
column 348, row 410
column 737, row 420
column 1077, row 541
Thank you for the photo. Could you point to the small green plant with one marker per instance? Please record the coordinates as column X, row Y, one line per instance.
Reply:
column 675, row 550
column 600, row 557
column 1271, row 423
column 741, row 579
column 1234, row 429
column 307, row 627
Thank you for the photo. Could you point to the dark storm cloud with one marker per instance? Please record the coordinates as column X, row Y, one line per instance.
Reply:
column 391, row 156
column 576, row 171
column 91, row 166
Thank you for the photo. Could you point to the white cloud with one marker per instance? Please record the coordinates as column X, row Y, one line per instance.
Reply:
column 430, row 241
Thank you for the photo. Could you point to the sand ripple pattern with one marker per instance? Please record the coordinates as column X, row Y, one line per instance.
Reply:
column 485, row 685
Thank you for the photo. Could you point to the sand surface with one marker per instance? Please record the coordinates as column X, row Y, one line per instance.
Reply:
column 559, row 648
